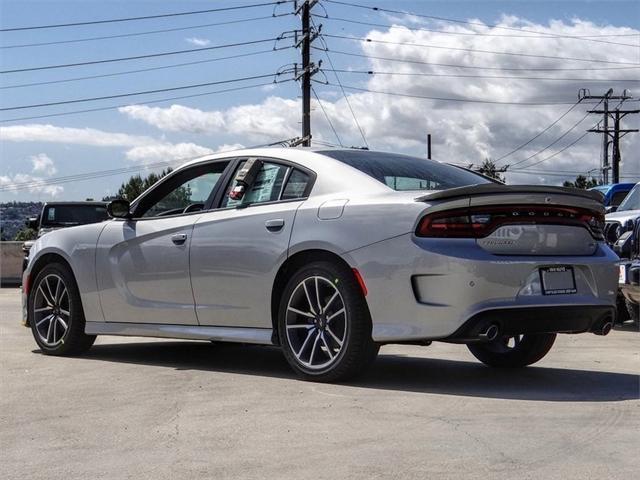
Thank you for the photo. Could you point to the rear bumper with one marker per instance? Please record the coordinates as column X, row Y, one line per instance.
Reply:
column 427, row 289
column 515, row 321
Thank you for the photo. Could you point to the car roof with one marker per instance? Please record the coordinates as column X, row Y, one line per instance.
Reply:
column 332, row 174
column 77, row 203
column 613, row 186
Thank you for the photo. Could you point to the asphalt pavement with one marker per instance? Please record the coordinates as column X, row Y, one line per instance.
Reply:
column 156, row 409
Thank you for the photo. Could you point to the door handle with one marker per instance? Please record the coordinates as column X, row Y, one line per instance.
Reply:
column 274, row 225
column 179, row 238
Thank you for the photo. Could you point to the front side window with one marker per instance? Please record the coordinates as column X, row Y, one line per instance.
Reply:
column 185, row 192
column 266, row 187
column 403, row 172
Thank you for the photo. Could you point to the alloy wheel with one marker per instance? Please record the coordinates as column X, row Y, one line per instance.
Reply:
column 316, row 323
column 51, row 310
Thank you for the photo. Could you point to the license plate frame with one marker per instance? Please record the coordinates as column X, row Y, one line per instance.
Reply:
column 558, row 280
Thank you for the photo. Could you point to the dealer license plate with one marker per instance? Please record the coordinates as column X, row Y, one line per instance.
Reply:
column 622, row 277
column 558, row 280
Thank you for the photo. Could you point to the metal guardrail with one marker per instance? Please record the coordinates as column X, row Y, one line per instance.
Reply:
column 11, row 256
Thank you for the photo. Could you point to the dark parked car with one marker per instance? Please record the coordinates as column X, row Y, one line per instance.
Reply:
column 627, row 246
column 57, row 215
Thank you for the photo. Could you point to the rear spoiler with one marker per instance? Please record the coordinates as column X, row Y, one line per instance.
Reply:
column 489, row 188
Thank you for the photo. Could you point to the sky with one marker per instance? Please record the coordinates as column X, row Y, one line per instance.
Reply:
column 389, row 105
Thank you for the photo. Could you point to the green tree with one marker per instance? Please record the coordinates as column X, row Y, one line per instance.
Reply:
column 582, row 182
column 489, row 169
column 133, row 187
column 26, row 234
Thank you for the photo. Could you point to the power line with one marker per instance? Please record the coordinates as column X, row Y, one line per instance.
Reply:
column 519, row 147
column 344, row 94
column 128, row 72
column 449, row 99
column 151, row 55
column 573, row 127
column 145, row 92
column 477, row 34
column 147, row 102
column 117, row 171
column 530, row 69
column 147, row 32
column 326, row 116
column 474, row 50
column 466, row 22
column 146, row 17
column 558, row 152
column 428, row 74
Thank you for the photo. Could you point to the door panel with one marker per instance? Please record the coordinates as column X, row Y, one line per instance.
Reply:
column 143, row 271
column 235, row 255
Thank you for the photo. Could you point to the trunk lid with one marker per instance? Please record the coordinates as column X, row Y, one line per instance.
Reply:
column 518, row 220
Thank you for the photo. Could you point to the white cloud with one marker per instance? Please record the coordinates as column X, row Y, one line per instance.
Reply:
column 43, row 164
column 198, row 42
column 77, row 136
column 176, row 118
column 140, row 148
column 275, row 118
column 166, row 152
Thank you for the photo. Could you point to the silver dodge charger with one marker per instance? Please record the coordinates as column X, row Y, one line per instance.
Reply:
column 329, row 254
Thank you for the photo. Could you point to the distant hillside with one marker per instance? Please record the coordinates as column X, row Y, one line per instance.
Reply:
column 13, row 215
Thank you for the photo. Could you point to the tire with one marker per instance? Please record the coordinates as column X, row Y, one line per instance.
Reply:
column 55, row 313
column 323, row 344
column 513, row 352
column 634, row 310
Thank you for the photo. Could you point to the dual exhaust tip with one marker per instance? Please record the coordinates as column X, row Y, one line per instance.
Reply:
column 491, row 332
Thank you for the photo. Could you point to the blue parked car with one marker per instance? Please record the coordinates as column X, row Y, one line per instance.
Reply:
column 614, row 194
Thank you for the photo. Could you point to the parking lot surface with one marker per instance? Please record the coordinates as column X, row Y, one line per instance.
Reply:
column 153, row 409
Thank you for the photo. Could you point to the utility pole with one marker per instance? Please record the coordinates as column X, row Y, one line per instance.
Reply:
column 429, row 146
column 610, row 136
column 308, row 68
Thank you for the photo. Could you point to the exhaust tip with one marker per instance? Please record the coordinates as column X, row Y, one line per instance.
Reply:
column 490, row 333
column 603, row 328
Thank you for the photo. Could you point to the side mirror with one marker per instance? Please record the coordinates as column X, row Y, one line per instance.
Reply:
column 245, row 178
column 32, row 223
column 119, row 208
column 611, row 209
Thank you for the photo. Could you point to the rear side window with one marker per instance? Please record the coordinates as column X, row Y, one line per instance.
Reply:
column 403, row 172
column 296, row 185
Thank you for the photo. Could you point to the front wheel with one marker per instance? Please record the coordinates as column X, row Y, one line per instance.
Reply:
column 324, row 323
column 55, row 313
column 515, row 351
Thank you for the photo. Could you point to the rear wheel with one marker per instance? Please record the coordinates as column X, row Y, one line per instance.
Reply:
column 55, row 313
column 513, row 352
column 324, row 324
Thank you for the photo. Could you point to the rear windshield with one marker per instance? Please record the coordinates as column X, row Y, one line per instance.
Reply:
column 68, row 215
column 403, row 172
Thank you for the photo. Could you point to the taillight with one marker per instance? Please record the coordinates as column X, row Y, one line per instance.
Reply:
column 479, row 222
